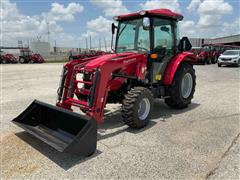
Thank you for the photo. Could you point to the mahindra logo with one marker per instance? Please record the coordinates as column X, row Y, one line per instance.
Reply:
column 129, row 60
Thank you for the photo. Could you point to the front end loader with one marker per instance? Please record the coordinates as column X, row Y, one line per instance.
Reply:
column 149, row 61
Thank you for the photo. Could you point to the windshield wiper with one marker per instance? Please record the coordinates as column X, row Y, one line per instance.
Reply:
column 122, row 29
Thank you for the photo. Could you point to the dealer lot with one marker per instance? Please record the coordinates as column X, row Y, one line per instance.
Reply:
column 199, row 142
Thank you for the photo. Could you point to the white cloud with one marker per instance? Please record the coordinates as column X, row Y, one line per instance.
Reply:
column 194, row 5
column 210, row 23
column 232, row 28
column 111, row 7
column 187, row 28
column 212, row 11
column 192, row 29
column 215, row 7
column 100, row 25
column 156, row 4
column 59, row 12
column 207, row 20
column 17, row 26
column 98, row 28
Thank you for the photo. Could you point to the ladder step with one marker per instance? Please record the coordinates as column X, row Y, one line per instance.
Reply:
column 77, row 103
column 84, row 82
column 84, row 91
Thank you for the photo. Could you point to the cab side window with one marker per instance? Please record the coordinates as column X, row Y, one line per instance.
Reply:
column 163, row 36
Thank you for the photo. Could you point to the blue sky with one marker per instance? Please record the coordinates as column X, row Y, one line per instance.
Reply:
column 73, row 21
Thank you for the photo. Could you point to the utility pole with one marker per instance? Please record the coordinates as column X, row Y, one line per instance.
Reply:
column 100, row 44
column 55, row 46
column 55, row 50
column 90, row 43
column 105, row 43
column 48, row 32
column 86, row 44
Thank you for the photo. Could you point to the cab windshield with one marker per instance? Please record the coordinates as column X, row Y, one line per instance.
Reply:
column 206, row 48
column 132, row 37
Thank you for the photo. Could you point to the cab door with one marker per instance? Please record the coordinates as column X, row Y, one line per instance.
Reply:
column 163, row 46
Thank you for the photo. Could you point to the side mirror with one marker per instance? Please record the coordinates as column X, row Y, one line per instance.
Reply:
column 146, row 23
column 113, row 28
column 113, row 32
column 184, row 44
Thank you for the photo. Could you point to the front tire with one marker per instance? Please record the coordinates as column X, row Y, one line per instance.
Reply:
column 219, row 65
column 183, row 87
column 22, row 60
column 137, row 107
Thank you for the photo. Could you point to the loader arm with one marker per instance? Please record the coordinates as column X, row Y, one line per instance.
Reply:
column 102, row 75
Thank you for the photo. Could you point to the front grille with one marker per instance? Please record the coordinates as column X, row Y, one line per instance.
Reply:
column 226, row 59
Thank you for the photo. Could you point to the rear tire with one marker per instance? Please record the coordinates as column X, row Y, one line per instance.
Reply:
column 208, row 60
column 4, row 61
column 213, row 60
column 216, row 59
column 22, row 60
column 183, row 87
column 137, row 107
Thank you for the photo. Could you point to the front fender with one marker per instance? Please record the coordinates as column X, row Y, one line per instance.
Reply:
column 174, row 64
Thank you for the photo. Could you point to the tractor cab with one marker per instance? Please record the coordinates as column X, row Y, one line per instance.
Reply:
column 152, row 32
column 25, row 52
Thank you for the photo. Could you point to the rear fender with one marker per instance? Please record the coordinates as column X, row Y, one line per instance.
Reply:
column 174, row 64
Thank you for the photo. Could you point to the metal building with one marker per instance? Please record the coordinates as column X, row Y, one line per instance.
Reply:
column 227, row 40
column 42, row 48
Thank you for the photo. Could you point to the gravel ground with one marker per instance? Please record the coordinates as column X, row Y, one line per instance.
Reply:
column 200, row 142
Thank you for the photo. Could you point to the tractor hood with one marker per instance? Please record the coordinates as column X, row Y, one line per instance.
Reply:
column 98, row 61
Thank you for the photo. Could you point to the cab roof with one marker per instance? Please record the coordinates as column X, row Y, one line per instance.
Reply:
column 155, row 12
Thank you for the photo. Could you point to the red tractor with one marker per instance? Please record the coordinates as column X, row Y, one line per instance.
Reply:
column 7, row 58
column 150, row 61
column 205, row 55
column 210, row 53
column 26, row 57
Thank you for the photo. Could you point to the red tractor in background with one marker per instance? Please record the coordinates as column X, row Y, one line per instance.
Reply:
column 206, row 56
column 91, row 53
column 26, row 56
column 7, row 58
column 149, row 61
column 196, row 51
column 209, row 53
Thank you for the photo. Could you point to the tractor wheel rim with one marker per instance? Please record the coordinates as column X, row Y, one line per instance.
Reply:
column 143, row 108
column 187, row 85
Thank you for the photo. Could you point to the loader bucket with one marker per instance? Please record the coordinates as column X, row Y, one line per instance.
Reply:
column 62, row 129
